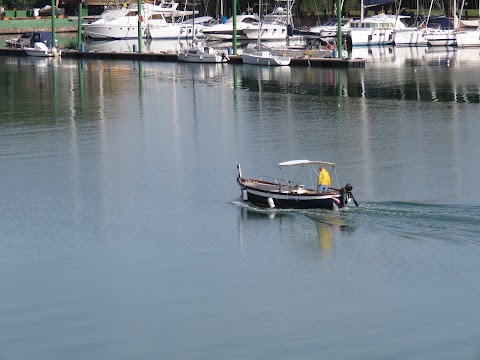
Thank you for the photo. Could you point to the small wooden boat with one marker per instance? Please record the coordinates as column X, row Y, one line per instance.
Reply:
column 289, row 194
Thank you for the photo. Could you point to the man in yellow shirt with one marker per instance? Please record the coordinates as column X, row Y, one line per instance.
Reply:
column 323, row 180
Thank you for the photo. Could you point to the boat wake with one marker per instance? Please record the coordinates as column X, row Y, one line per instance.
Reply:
column 262, row 210
column 455, row 223
column 408, row 220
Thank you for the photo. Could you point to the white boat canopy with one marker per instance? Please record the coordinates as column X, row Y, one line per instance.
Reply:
column 306, row 162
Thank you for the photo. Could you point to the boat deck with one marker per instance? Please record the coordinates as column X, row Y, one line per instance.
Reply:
column 281, row 188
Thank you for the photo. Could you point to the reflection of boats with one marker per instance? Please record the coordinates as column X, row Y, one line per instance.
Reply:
column 452, row 56
column 168, row 46
column 202, row 54
column 265, row 58
column 39, row 49
column 388, row 55
column 289, row 194
column 225, row 31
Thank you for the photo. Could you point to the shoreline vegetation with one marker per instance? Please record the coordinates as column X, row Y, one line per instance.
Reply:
column 20, row 26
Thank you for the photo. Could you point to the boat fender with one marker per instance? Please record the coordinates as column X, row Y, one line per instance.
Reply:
column 245, row 195
column 271, row 203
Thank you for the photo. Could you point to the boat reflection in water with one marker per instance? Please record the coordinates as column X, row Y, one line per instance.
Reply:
column 320, row 228
column 131, row 45
column 395, row 55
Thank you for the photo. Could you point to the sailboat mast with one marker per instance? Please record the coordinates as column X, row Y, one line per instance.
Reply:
column 455, row 18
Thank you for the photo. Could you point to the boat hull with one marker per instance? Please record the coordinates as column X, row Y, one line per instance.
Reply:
column 267, row 32
column 38, row 53
column 468, row 38
column 265, row 58
column 370, row 37
column 441, row 38
column 196, row 55
column 414, row 37
column 290, row 201
column 130, row 31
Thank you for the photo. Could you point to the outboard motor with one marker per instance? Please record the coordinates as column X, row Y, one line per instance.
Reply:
column 348, row 194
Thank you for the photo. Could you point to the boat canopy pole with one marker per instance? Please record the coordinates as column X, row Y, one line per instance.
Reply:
column 311, row 178
column 336, row 177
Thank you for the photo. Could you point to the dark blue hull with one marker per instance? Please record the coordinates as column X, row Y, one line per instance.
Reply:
column 294, row 201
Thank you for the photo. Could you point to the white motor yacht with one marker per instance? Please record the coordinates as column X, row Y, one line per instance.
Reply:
column 275, row 25
column 157, row 21
column 374, row 30
column 327, row 31
column 224, row 31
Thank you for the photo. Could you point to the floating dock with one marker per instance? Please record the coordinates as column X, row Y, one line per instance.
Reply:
column 172, row 57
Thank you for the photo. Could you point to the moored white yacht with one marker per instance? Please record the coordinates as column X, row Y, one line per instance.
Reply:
column 225, row 31
column 327, row 31
column 410, row 37
column 468, row 34
column 441, row 37
column 157, row 21
column 274, row 26
column 374, row 30
column 468, row 38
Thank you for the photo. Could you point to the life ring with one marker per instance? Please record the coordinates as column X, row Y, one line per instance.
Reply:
column 328, row 47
